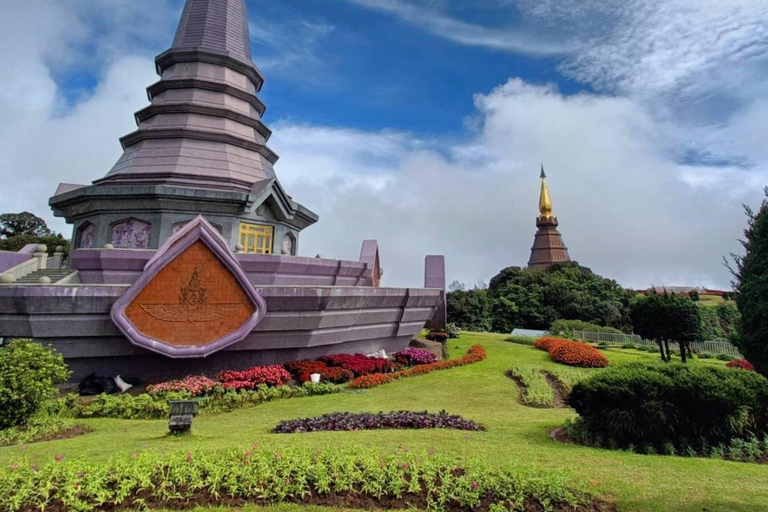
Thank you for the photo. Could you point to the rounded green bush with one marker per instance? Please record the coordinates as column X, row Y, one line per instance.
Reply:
column 725, row 357
column 29, row 373
column 705, row 355
column 659, row 403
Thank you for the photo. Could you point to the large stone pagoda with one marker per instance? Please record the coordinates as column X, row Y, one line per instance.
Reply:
column 200, row 148
column 548, row 246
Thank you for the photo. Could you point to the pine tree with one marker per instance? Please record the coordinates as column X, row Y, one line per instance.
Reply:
column 751, row 285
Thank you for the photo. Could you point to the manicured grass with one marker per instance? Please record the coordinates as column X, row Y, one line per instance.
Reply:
column 481, row 392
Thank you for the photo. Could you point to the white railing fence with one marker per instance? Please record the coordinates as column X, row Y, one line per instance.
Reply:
column 713, row 347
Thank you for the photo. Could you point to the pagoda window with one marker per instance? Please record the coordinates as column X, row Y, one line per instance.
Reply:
column 256, row 238
column 289, row 244
column 131, row 234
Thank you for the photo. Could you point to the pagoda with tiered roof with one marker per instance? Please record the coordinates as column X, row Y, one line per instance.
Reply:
column 200, row 148
column 548, row 246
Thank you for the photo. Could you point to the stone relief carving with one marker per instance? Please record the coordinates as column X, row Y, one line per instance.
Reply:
column 131, row 234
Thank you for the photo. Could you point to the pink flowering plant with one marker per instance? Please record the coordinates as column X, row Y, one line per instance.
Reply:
column 414, row 356
column 273, row 375
column 195, row 385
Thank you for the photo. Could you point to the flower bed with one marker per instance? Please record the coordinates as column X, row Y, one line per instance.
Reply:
column 358, row 364
column 476, row 353
column 232, row 478
column 194, row 385
column 547, row 343
column 414, row 356
column 742, row 364
column 373, row 421
column 274, row 375
column 440, row 336
column 574, row 353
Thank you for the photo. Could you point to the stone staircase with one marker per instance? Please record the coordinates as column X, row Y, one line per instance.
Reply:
column 55, row 275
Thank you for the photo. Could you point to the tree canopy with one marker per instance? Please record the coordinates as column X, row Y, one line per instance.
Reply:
column 751, row 285
column 24, row 223
column 667, row 318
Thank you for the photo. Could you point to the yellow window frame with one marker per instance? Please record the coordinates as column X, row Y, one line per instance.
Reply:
column 256, row 238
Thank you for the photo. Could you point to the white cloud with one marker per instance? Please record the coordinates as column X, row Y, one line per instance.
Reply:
column 430, row 16
column 625, row 208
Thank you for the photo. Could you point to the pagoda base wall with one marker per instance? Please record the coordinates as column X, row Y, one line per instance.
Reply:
column 301, row 322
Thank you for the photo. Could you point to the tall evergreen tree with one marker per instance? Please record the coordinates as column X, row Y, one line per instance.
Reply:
column 751, row 285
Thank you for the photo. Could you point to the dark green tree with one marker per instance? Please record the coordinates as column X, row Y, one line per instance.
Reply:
column 469, row 309
column 24, row 223
column 751, row 285
column 534, row 298
column 667, row 318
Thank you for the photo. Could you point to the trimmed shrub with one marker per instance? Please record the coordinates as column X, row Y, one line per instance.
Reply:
column 522, row 340
column 574, row 353
column 705, row 355
column 29, row 374
column 568, row 326
column 725, row 357
column 373, row 421
column 653, row 404
column 742, row 364
column 629, row 346
column 440, row 336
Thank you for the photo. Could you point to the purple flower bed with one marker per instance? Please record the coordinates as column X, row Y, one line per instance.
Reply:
column 414, row 356
column 379, row 420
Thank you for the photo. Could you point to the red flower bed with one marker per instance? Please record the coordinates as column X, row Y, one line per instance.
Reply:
column 742, row 364
column 574, row 353
column 195, row 385
column 335, row 375
column 548, row 343
column 305, row 366
column 273, row 375
column 475, row 354
column 358, row 364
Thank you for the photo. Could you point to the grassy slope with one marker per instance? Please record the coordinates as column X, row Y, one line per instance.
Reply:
column 481, row 392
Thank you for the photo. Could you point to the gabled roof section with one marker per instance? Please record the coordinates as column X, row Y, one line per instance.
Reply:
column 284, row 207
column 220, row 26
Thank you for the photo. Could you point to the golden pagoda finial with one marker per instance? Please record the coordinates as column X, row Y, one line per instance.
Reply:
column 545, row 204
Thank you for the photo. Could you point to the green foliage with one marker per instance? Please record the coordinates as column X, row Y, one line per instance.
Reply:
column 654, row 404
column 16, row 243
column 522, row 340
column 469, row 309
column 265, row 476
column 537, row 391
column 568, row 326
column 730, row 319
column 147, row 407
column 29, row 374
column 40, row 427
column 720, row 323
column 752, row 289
column 453, row 330
column 725, row 357
column 666, row 318
column 535, row 298
column 569, row 377
column 24, row 223
column 705, row 355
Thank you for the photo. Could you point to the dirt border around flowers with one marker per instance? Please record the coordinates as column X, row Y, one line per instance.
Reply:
column 561, row 393
column 69, row 433
column 558, row 390
column 347, row 500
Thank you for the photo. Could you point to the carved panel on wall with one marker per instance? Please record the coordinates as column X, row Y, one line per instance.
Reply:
column 87, row 237
column 131, row 234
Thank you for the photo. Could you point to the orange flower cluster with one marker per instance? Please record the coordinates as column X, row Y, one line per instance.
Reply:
column 547, row 343
column 475, row 354
column 572, row 353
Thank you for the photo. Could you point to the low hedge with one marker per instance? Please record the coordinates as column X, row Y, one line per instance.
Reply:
column 233, row 478
column 475, row 354
column 658, row 404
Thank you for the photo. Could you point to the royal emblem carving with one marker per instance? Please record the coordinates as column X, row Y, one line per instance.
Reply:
column 192, row 299
column 192, row 306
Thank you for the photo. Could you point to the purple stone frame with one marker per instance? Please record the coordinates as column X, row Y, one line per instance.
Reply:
column 196, row 229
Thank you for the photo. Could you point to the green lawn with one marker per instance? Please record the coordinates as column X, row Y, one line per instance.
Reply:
column 481, row 392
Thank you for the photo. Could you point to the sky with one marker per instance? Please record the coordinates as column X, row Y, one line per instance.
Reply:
column 423, row 123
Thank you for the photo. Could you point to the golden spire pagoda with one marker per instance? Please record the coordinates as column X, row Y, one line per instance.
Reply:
column 545, row 203
column 548, row 246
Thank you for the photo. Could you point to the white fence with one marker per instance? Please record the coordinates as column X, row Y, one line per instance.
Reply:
column 713, row 347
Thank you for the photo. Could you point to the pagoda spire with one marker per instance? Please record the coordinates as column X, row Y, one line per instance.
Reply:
column 548, row 246
column 217, row 26
column 545, row 203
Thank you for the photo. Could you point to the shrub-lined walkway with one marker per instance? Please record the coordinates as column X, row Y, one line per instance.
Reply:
column 517, row 435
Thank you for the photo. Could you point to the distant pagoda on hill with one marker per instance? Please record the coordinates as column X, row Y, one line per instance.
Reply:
column 548, row 246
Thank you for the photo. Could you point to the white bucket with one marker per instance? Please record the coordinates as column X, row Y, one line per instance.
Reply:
column 315, row 377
